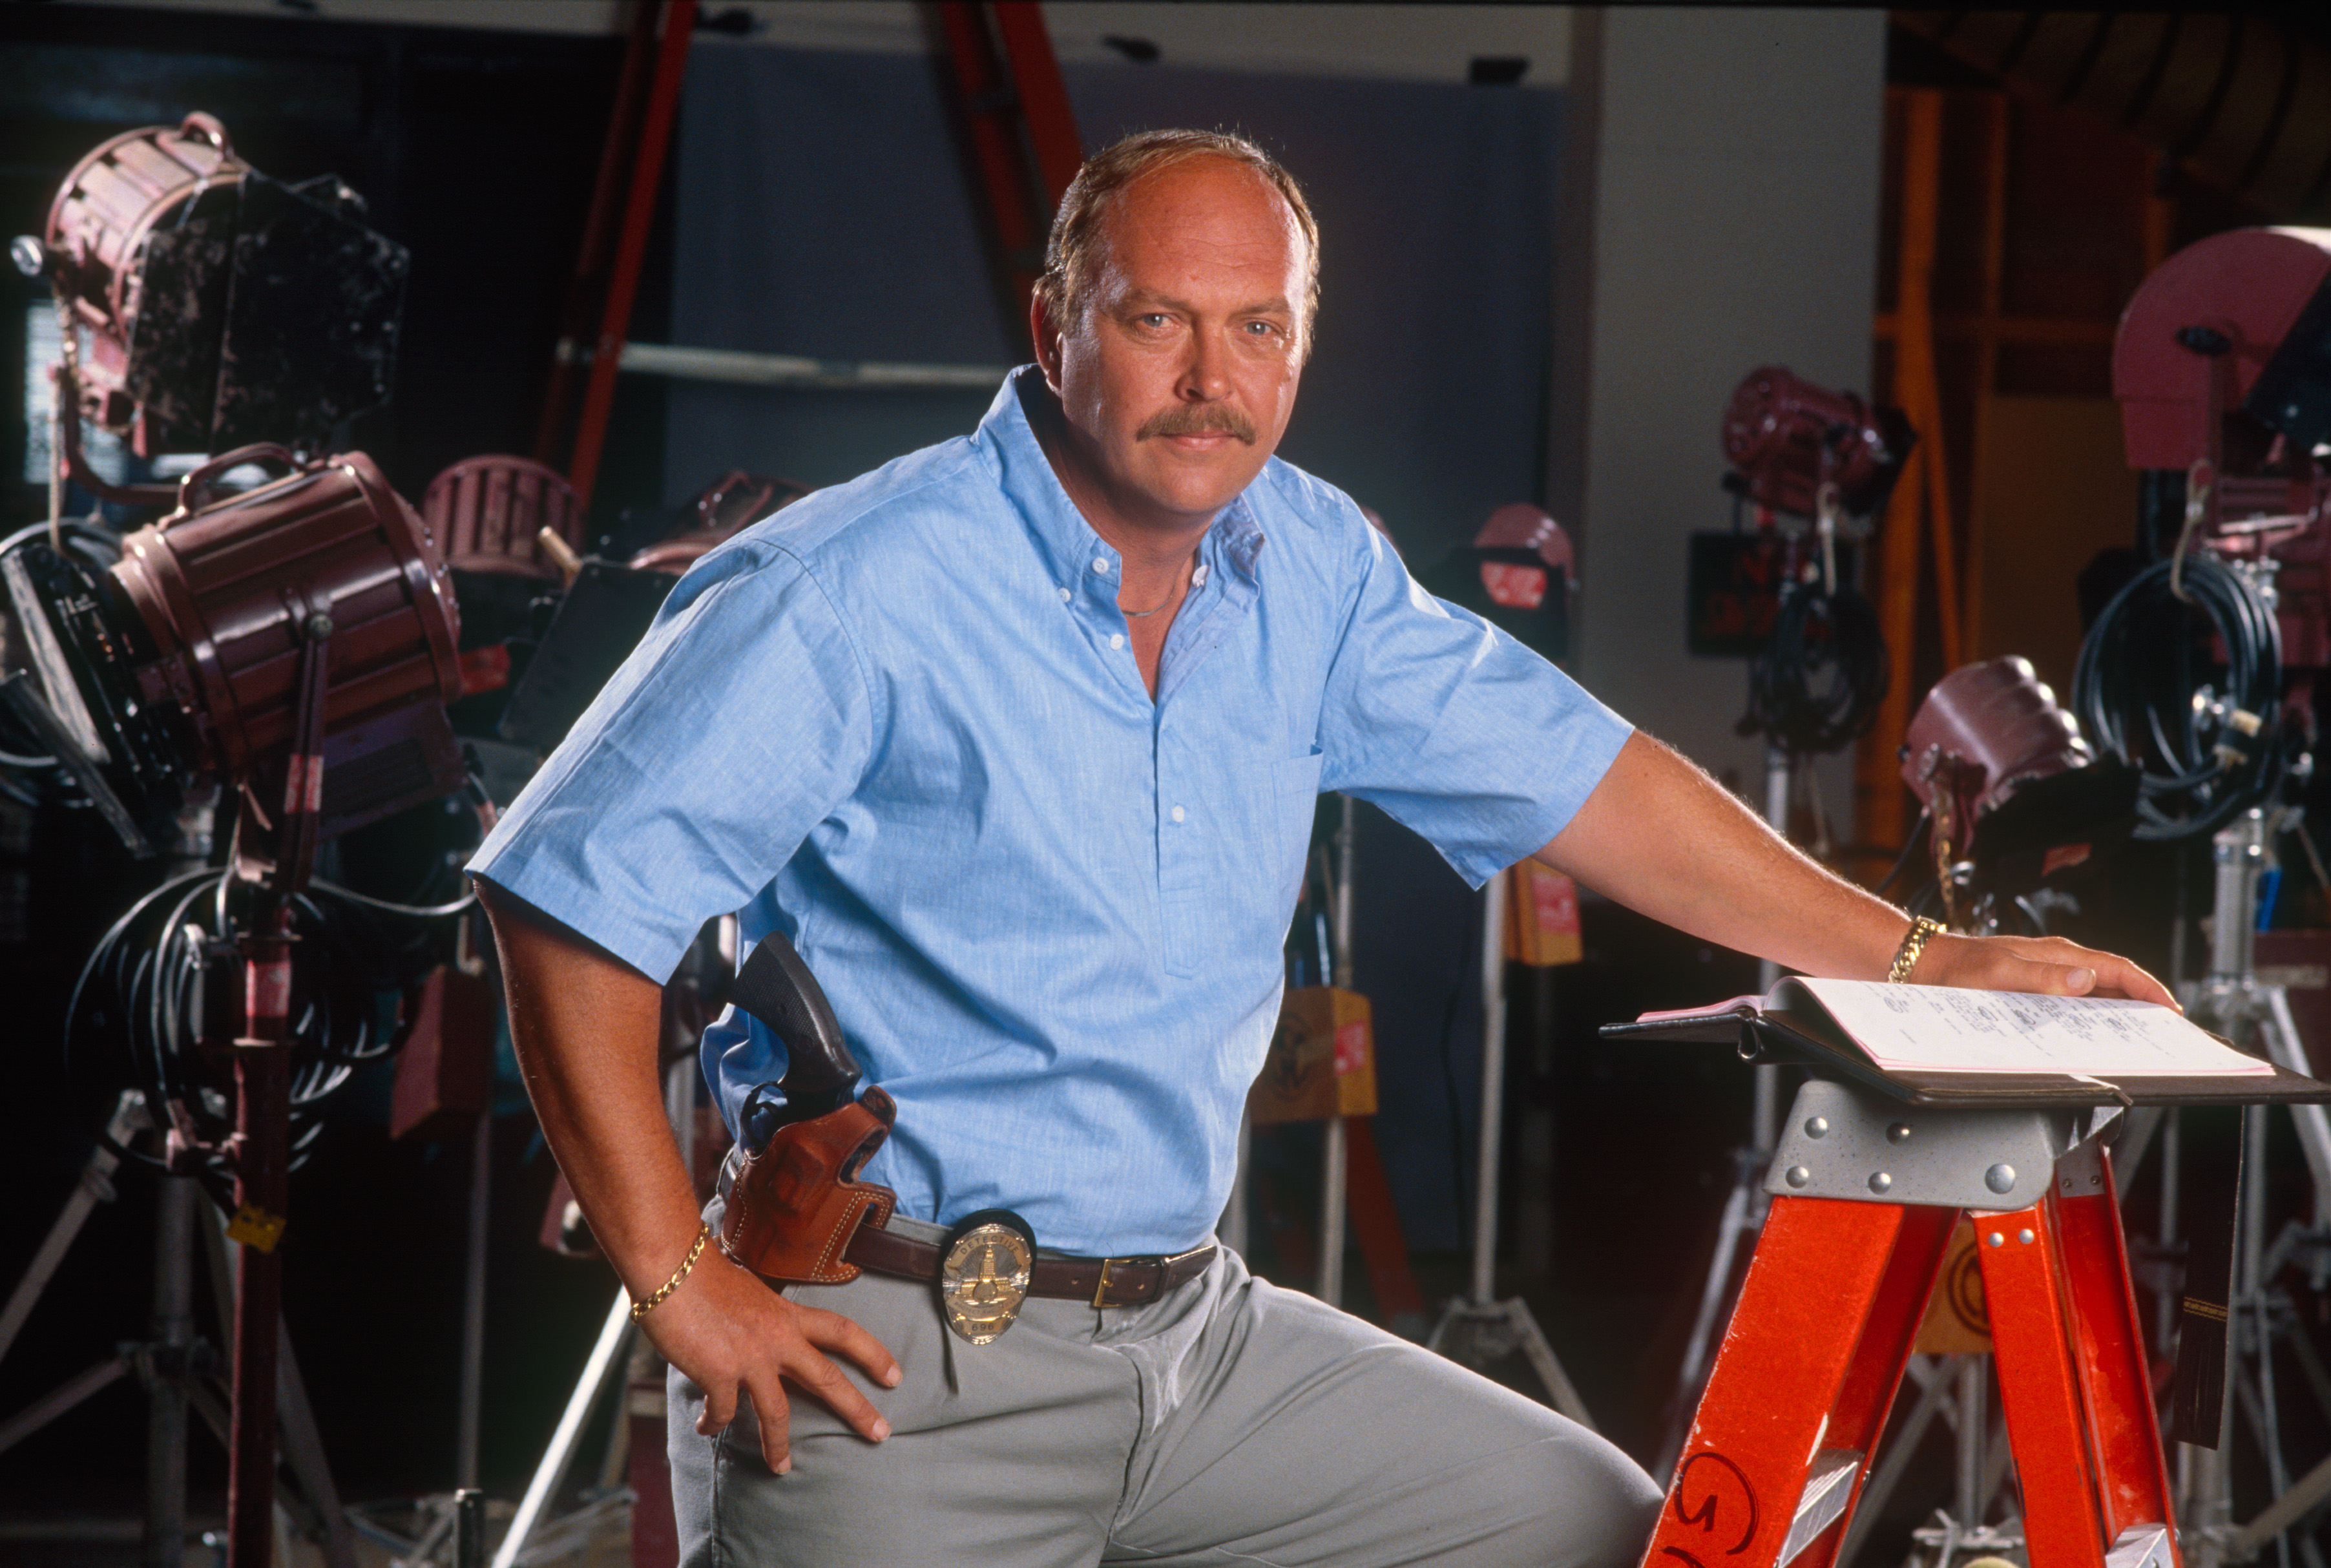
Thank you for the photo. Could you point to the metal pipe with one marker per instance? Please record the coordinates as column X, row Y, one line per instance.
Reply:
column 740, row 368
column 1335, row 1173
column 1764, row 1118
column 473, row 1305
column 547, row 1475
column 262, row 1167
column 1493, row 1089
column 94, row 1187
column 172, row 1331
column 1335, row 1158
column 1969, row 1501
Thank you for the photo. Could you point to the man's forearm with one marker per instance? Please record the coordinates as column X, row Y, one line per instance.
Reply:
column 586, row 1028
column 1661, row 837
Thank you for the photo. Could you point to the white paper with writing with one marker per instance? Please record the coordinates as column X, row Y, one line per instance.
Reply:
column 1945, row 1029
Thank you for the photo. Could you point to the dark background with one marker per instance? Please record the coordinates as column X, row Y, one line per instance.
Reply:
column 816, row 204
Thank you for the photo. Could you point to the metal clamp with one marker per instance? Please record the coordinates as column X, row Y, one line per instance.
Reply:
column 1855, row 1143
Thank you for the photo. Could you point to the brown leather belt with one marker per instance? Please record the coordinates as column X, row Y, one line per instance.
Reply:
column 1102, row 1281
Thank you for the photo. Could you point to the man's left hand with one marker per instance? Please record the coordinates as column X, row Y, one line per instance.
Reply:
column 2050, row 965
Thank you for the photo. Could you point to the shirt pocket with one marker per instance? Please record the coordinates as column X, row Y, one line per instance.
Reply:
column 1295, row 790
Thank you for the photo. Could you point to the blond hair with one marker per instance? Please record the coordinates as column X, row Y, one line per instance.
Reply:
column 1071, row 255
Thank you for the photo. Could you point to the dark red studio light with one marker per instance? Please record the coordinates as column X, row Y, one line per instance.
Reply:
column 1785, row 438
column 221, row 305
column 488, row 513
column 2006, row 776
column 184, row 660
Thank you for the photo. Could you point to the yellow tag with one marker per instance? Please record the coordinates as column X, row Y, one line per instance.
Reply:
column 1958, row 1319
column 1322, row 1060
column 253, row 1226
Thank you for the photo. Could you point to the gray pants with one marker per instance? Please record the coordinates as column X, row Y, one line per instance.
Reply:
column 1232, row 1422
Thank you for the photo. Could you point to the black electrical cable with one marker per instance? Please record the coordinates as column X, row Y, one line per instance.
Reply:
column 142, row 1015
column 2205, row 754
column 1816, row 684
column 1909, row 846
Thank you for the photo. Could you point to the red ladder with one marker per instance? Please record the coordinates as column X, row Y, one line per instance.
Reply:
column 1867, row 1191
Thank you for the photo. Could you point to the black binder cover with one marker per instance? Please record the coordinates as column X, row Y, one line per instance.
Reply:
column 1817, row 1041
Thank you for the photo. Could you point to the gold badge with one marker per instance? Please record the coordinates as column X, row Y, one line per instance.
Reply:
column 984, row 1278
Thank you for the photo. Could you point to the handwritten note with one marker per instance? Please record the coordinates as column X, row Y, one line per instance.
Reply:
column 1942, row 1029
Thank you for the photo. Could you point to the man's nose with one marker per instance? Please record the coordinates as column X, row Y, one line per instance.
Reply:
column 1205, row 373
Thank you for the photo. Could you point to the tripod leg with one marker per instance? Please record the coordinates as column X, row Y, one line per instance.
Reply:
column 173, row 1332
column 1728, row 1230
column 606, row 1355
column 61, row 1398
column 95, row 1187
column 303, row 1451
column 474, row 1305
column 2311, row 1121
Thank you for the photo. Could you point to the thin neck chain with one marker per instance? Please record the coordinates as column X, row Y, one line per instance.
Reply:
column 1171, row 595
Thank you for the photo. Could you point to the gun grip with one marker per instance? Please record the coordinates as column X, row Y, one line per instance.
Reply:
column 777, row 987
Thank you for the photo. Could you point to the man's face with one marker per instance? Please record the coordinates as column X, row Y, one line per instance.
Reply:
column 1178, row 375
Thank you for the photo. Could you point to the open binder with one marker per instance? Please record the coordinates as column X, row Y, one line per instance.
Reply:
column 1793, row 1023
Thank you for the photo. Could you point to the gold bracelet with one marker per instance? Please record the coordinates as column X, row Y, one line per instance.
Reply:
column 1906, row 956
column 641, row 1308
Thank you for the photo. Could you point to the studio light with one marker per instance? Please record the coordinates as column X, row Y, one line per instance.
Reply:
column 183, row 660
column 222, row 307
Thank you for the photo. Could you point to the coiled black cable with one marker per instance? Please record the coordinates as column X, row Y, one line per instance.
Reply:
column 2147, row 688
column 144, row 1015
column 1816, row 684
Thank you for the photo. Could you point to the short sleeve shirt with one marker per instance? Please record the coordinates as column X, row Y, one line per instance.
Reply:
column 900, row 722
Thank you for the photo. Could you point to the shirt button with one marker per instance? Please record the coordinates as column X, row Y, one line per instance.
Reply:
column 1066, row 595
column 1117, row 640
column 1177, row 813
column 1198, row 577
column 1101, row 564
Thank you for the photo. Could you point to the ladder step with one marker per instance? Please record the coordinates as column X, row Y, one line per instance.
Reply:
column 2142, row 1546
column 1829, row 1487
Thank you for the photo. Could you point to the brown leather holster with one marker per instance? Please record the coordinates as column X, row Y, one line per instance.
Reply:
column 795, row 1206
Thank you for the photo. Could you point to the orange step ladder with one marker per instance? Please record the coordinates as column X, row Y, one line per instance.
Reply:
column 1866, row 1192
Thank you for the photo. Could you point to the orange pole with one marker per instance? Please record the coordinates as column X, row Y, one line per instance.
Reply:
column 1915, row 375
column 1877, row 776
column 639, row 211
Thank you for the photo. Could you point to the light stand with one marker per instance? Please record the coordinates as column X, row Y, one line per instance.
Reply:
column 173, row 1363
column 260, row 1146
column 1477, row 1329
column 610, row 1361
column 2232, row 1000
column 1335, row 1157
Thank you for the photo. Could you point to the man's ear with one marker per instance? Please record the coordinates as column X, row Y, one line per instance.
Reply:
column 1047, row 341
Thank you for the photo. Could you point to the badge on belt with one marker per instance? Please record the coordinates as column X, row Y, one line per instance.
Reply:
column 983, row 1268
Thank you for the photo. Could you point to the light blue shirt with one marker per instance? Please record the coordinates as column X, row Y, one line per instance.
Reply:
column 900, row 722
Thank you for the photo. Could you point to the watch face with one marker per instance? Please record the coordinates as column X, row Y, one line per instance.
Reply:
column 983, row 1280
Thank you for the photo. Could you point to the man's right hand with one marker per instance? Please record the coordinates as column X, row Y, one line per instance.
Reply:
column 736, row 1339
column 586, row 1026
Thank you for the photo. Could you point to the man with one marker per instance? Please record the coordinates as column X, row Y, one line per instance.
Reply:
column 1018, row 740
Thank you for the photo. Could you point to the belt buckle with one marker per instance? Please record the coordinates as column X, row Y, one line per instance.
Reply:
column 984, row 1265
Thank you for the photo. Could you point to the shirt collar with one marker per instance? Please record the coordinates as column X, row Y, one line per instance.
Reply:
column 1035, row 490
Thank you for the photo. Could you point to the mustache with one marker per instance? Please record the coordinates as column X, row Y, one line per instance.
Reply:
column 1210, row 420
